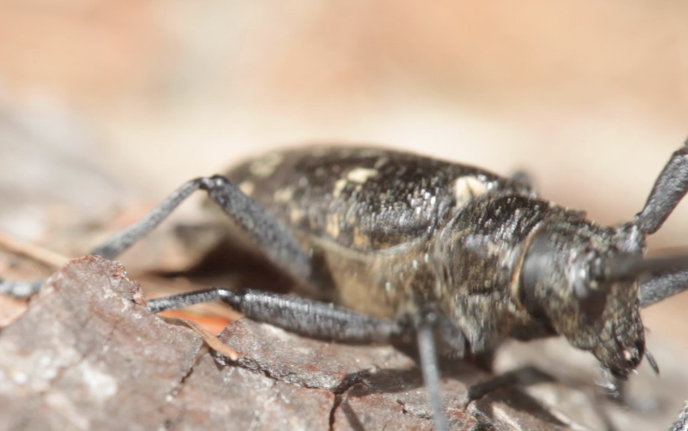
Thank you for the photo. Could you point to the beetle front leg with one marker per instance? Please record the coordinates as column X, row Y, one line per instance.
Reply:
column 311, row 318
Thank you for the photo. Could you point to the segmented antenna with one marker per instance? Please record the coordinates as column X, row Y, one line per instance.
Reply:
column 669, row 189
column 629, row 267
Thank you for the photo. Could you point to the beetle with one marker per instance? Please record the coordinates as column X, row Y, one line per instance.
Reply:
column 455, row 255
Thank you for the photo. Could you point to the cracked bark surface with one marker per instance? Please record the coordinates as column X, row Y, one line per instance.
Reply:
column 87, row 352
column 88, row 355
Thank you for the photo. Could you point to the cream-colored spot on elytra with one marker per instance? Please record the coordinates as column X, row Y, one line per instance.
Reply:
column 338, row 187
column 283, row 195
column 468, row 187
column 332, row 226
column 266, row 165
column 361, row 175
column 247, row 187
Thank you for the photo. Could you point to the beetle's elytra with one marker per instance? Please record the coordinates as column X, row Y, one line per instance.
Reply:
column 452, row 254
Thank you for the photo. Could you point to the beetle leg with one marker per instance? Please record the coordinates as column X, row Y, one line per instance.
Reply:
column 669, row 189
column 661, row 286
column 271, row 236
column 427, row 351
column 307, row 317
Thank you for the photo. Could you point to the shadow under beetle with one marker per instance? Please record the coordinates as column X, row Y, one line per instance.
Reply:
column 460, row 257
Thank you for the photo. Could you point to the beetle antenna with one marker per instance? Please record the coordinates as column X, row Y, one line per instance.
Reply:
column 664, row 277
column 657, row 287
column 652, row 362
column 629, row 267
column 670, row 187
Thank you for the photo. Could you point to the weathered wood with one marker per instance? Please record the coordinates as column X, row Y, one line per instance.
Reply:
column 88, row 355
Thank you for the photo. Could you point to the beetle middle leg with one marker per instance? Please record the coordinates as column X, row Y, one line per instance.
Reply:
column 426, row 324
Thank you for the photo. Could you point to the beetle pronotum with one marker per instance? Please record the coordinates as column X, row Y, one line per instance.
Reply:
column 405, row 244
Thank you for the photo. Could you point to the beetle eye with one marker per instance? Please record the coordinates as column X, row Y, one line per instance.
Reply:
column 538, row 263
column 589, row 286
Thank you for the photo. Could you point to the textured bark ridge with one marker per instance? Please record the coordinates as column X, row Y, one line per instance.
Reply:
column 88, row 355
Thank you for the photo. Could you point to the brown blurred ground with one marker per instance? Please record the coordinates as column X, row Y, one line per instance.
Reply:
column 104, row 101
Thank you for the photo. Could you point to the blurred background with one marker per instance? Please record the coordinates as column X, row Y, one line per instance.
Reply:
column 107, row 103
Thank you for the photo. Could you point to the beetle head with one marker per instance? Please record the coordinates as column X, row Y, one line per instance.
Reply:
column 565, row 281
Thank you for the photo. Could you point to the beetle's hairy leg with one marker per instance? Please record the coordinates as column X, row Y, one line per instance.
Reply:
column 669, row 189
column 271, row 236
column 427, row 351
column 183, row 300
column 122, row 240
column 307, row 317
column 657, row 287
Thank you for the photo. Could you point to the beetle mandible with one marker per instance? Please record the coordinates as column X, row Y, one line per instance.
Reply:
column 458, row 256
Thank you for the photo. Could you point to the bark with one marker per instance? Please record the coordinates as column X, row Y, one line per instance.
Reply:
column 88, row 355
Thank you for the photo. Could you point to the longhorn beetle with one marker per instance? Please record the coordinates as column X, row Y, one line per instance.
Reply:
column 458, row 256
